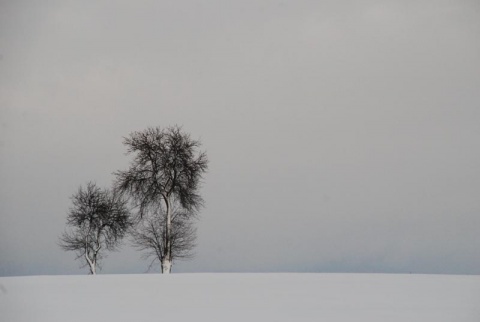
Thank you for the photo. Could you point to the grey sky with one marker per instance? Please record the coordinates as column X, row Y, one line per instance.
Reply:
column 342, row 135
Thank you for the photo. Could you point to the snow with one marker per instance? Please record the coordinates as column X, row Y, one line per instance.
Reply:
column 241, row 297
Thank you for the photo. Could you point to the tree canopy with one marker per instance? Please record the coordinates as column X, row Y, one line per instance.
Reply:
column 167, row 168
column 99, row 219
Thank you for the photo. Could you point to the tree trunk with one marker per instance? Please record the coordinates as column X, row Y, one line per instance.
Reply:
column 166, row 266
column 167, row 258
column 91, row 264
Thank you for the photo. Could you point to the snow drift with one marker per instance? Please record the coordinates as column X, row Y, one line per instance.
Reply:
column 241, row 297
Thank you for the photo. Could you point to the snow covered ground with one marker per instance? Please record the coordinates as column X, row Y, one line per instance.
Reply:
column 241, row 297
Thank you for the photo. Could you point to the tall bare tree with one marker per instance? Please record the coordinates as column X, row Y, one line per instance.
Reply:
column 167, row 166
column 99, row 219
column 149, row 234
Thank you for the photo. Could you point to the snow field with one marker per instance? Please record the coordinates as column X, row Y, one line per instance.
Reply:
column 241, row 297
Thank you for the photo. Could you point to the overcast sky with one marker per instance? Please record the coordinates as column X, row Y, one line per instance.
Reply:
column 343, row 136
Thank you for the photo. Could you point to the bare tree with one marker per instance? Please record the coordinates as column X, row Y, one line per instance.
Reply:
column 149, row 235
column 167, row 166
column 99, row 220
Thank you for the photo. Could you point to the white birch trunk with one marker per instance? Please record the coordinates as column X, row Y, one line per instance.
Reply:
column 166, row 266
column 167, row 258
column 91, row 264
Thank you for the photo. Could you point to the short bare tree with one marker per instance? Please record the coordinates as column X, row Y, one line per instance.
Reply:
column 149, row 235
column 167, row 166
column 99, row 219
